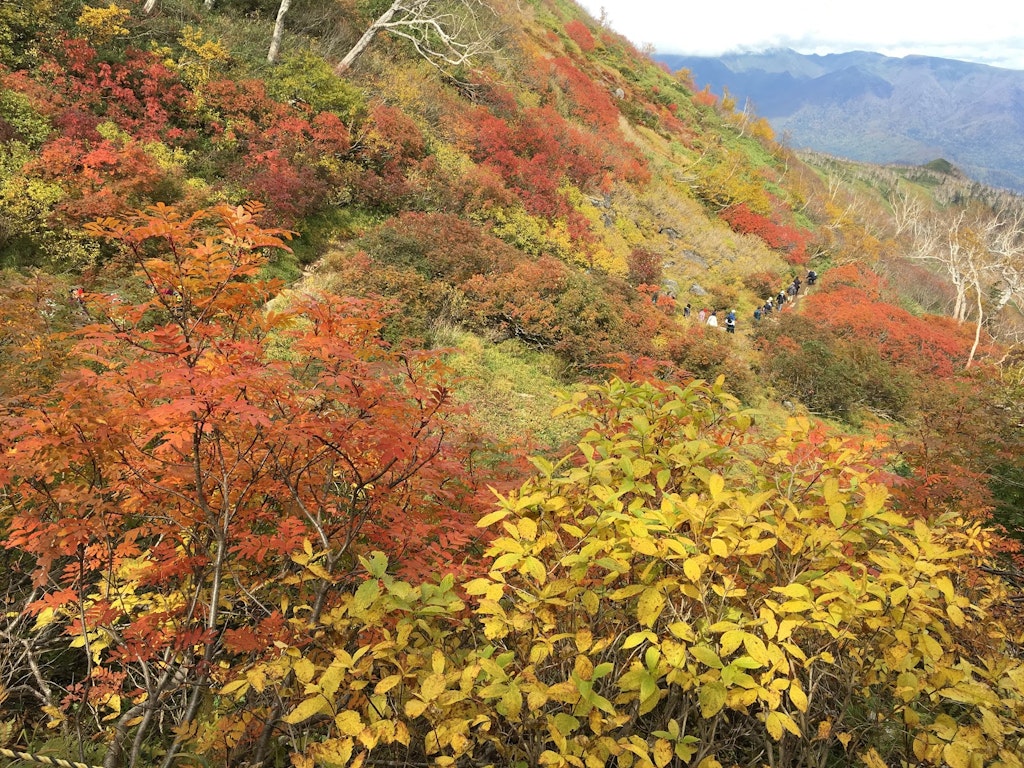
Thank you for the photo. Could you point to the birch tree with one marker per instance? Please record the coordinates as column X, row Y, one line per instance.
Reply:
column 275, row 40
column 447, row 33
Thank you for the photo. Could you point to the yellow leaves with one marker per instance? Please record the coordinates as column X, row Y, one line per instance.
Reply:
column 306, row 709
column 956, row 755
column 837, row 515
column 663, row 753
column 777, row 723
column 719, row 548
column 706, row 656
column 872, row 759
column 693, row 567
column 304, row 670
column 795, row 591
column 102, row 25
column 650, row 606
column 716, row 484
column 492, row 517
column 797, row 696
column 432, row 687
column 756, row 649
column 349, row 722
column 44, row 618
column 760, row 546
column 712, row 698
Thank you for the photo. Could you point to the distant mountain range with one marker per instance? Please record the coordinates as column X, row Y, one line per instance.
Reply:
column 879, row 109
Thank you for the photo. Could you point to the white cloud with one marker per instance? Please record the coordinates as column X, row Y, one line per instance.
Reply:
column 892, row 27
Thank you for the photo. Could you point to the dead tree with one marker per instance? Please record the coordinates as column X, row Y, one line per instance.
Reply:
column 447, row 33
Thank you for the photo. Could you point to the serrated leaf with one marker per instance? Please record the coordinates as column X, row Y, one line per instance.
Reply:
column 367, row 592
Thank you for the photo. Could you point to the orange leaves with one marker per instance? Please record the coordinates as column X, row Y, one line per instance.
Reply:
column 209, row 440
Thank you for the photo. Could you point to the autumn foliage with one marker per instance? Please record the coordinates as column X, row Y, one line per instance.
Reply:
column 680, row 589
column 251, row 524
column 202, row 451
column 785, row 238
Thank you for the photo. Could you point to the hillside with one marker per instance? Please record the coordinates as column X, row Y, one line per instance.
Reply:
column 359, row 406
column 880, row 109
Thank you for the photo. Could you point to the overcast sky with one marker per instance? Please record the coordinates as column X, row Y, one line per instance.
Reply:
column 984, row 31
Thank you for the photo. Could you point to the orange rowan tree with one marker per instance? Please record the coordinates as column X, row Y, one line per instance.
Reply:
column 203, row 452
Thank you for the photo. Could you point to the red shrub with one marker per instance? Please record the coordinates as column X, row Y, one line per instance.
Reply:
column 788, row 239
column 580, row 34
column 931, row 345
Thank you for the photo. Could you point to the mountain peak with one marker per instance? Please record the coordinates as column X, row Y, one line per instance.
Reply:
column 879, row 109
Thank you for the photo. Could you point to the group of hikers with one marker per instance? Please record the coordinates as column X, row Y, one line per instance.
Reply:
column 772, row 304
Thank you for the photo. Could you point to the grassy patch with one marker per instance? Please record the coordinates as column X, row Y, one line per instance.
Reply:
column 510, row 388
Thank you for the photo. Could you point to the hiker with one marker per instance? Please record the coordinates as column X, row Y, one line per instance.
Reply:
column 702, row 315
column 757, row 315
column 730, row 323
column 796, row 286
column 686, row 310
column 780, row 299
column 713, row 318
column 812, row 277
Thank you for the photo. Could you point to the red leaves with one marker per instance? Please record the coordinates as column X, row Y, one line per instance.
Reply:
column 211, row 445
column 931, row 345
column 580, row 34
column 786, row 238
column 538, row 149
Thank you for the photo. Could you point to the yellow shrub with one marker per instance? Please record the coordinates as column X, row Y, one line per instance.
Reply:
column 682, row 588
column 101, row 25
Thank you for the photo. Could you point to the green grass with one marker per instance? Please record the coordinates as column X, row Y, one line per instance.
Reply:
column 510, row 388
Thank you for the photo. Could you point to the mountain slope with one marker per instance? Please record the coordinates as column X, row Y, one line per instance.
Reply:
column 266, row 507
column 880, row 109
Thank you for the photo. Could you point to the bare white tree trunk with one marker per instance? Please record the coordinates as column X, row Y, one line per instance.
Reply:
column 446, row 33
column 148, row 7
column 363, row 43
column 275, row 40
column 208, row 4
column 978, row 321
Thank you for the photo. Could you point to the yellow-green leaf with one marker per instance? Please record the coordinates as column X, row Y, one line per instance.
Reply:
column 706, row 656
column 756, row 649
column 306, row 709
column 492, row 517
column 349, row 722
column 712, row 698
column 649, row 606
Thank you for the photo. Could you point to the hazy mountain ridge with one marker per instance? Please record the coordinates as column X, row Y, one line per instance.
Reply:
column 879, row 109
